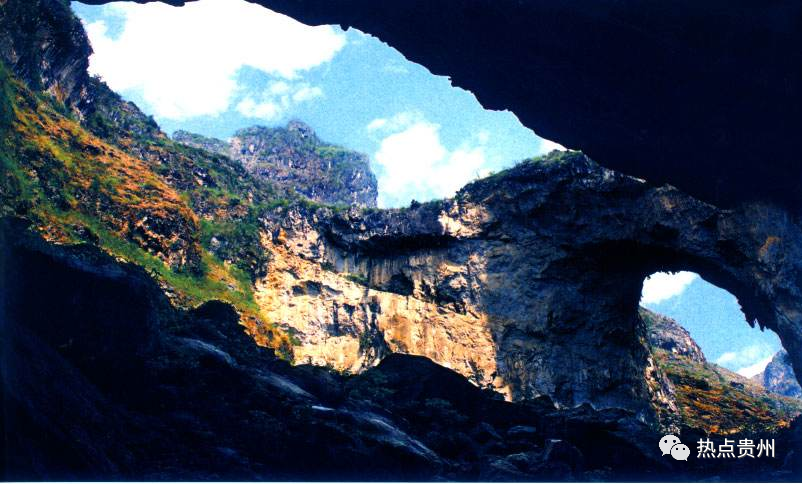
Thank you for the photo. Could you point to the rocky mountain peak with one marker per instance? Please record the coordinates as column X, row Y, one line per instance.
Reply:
column 295, row 158
column 779, row 377
column 56, row 62
column 302, row 129
column 526, row 283
column 666, row 333
column 195, row 140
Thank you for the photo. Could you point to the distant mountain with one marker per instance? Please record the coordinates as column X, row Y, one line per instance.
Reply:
column 295, row 158
column 779, row 377
column 702, row 395
column 195, row 140
column 666, row 334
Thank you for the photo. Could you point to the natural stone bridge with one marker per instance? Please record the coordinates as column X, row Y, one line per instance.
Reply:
column 528, row 280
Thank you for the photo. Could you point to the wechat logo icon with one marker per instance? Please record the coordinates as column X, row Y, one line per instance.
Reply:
column 671, row 445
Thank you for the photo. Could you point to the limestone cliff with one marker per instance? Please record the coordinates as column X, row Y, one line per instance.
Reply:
column 540, row 266
column 104, row 378
column 704, row 96
column 55, row 56
column 779, row 377
column 294, row 157
column 690, row 392
column 666, row 334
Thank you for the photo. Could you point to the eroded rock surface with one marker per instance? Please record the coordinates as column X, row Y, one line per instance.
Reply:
column 705, row 96
column 539, row 268
column 779, row 377
column 294, row 157
column 666, row 334
column 527, row 281
column 109, row 381
column 691, row 393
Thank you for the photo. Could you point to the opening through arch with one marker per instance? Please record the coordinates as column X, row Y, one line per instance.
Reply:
column 721, row 375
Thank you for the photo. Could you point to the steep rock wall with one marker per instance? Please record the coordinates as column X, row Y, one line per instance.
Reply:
column 667, row 334
column 544, row 262
column 779, row 377
column 295, row 158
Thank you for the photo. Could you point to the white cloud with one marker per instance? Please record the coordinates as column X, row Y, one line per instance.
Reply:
column 395, row 123
column 307, row 93
column 185, row 60
column 727, row 357
column 277, row 99
column 376, row 124
column 266, row 110
column 662, row 285
column 748, row 361
column 413, row 163
column 278, row 88
column 752, row 370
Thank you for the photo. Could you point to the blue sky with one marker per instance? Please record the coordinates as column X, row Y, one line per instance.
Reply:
column 714, row 319
column 215, row 66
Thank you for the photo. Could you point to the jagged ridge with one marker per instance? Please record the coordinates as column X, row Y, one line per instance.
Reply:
column 296, row 159
column 108, row 380
column 779, row 377
column 527, row 281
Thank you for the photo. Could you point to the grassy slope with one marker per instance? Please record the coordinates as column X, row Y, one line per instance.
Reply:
column 721, row 402
column 76, row 188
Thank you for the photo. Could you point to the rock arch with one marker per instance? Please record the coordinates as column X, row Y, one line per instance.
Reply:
column 553, row 252
column 551, row 256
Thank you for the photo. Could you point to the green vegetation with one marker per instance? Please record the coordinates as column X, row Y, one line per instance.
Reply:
column 720, row 402
column 358, row 279
column 114, row 119
column 217, row 282
column 555, row 158
column 143, row 199
column 318, row 170
column 6, row 94
column 238, row 241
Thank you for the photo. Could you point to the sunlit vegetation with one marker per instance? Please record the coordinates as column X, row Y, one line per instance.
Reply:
column 149, row 210
column 552, row 159
column 358, row 279
column 721, row 402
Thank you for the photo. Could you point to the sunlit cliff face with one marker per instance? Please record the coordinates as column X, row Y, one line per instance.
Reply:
column 349, row 311
column 486, row 271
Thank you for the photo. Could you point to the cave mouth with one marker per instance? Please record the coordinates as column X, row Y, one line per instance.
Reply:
column 724, row 376
column 265, row 69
